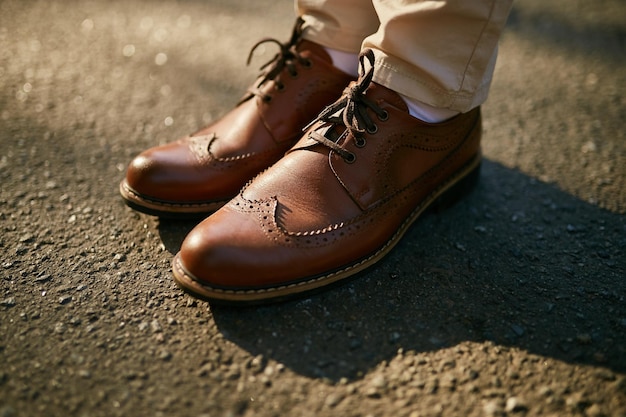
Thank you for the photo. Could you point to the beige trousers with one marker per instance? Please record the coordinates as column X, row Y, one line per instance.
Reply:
column 440, row 52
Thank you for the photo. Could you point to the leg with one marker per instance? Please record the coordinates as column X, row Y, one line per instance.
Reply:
column 441, row 53
column 338, row 24
column 343, row 196
column 439, row 56
column 340, row 27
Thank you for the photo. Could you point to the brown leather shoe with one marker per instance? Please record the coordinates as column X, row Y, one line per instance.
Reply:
column 199, row 173
column 335, row 204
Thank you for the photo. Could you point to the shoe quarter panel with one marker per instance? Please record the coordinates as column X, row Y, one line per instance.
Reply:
column 399, row 153
column 302, row 97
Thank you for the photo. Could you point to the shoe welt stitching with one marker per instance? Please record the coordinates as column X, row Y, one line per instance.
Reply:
column 387, row 246
column 167, row 204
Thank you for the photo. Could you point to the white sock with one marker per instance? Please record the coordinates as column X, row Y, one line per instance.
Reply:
column 349, row 63
column 426, row 112
column 345, row 61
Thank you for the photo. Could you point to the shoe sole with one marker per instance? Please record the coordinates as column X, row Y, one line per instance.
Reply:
column 167, row 209
column 447, row 194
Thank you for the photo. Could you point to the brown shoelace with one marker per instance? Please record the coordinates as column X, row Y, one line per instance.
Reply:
column 287, row 57
column 351, row 112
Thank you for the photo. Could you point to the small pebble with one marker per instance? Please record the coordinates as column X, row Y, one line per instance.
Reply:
column 8, row 302
column 26, row 238
column 515, row 405
column 257, row 364
column 65, row 299
column 545, row 391
column 156, row 326
column 379, row 382
column 43, row 278
column 493, row 408
column 333, row 399
column 594, row 411
column 372, row 393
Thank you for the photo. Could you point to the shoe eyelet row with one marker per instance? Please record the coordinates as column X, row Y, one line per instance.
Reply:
column 384, row 116
column 360, row 142
column 306, row 64
column 372, row 130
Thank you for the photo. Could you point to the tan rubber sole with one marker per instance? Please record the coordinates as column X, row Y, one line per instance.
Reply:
column 165, row 209
column 459, row 185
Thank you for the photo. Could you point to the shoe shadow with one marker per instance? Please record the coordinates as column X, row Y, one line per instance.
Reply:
column 519, row 263
column 173, row 232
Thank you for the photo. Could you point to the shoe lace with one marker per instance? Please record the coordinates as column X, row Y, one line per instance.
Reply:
column 287, row 57
column 350, row 110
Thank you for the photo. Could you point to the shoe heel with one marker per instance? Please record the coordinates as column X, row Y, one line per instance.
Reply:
column 458, row 191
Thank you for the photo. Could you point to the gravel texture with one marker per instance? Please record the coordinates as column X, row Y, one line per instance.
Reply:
column 511, row 303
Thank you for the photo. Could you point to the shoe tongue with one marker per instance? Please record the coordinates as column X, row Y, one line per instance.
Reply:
column 315, row 49
column 378, row 93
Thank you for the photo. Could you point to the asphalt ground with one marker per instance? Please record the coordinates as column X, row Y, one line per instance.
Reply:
column 512, row 302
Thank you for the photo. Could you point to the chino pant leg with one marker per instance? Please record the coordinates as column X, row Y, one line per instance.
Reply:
column 338, row 24
column 441, row 53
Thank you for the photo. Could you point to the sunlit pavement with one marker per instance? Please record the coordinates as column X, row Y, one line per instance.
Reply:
column 510, row 303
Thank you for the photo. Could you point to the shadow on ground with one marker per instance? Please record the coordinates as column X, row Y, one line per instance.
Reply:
column 519, row 263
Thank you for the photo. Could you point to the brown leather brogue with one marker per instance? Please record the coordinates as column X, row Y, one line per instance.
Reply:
column 335, row 204
column 197, row 174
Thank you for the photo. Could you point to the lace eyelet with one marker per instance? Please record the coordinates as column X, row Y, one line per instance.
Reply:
column 360, row 142
column 293, row 75
column 384, row 116
column 372, row 130
column 350, row 158
column 267, row 99
column 279, row 87
column 307, row 63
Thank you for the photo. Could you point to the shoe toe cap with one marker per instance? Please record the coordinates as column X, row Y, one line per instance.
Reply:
column 163, row 173
column 221, row 251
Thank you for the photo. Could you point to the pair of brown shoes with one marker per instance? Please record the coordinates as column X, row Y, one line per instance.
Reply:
column 292, row 211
